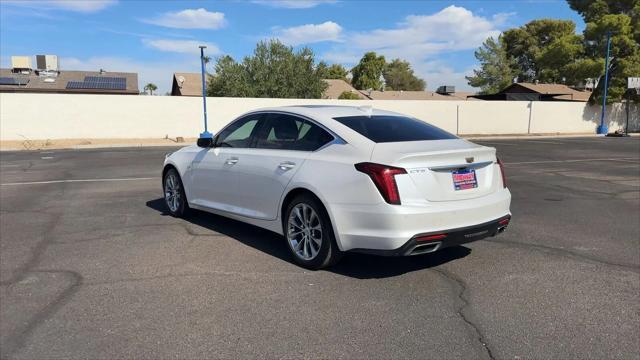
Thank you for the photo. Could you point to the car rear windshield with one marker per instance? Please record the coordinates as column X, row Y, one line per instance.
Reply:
column 389, row 128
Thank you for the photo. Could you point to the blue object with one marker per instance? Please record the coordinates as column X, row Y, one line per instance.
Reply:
column 603, row 128
column 206, row 133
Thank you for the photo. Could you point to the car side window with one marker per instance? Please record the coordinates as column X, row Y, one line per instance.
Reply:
column 239, row 133
column 288, row 132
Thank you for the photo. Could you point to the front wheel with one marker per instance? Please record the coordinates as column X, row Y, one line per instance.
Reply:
column 174, row 195
column 309, row 233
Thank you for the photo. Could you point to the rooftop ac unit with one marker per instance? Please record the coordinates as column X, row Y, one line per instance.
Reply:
column 47, row 62
column 446, row 89
column 21, row 62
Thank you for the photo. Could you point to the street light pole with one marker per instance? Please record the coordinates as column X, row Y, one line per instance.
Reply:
column 206, row 133
column 603, row 129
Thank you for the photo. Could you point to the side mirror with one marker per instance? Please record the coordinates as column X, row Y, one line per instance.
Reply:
column 205, row 142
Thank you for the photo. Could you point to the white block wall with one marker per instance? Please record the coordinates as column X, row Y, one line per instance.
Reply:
column 68, row 116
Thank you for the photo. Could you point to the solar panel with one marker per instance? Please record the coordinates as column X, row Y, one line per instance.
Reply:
column 7, row 81
column 75, row 85
column 13, row 81
column 99, row 82
column 105, row 79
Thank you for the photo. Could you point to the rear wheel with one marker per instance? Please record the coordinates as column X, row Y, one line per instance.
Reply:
column 309, row 233
column 174, row 195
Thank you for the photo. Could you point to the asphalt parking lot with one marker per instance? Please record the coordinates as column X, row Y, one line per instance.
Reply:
column 92, row 267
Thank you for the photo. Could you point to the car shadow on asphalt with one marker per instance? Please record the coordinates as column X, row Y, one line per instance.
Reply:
column 360, row 266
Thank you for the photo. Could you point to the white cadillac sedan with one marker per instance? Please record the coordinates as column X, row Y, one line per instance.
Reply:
column 335, row 179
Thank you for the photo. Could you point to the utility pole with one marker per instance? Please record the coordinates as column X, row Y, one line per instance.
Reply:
column 626, row 127
column 603, row 129
column 206, row 133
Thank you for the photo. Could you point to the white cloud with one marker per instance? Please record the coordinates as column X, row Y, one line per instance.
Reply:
column 181, row 46
column 84, row 6
column 293, row 4
column 342, row 57
column 422, row 39
column 309, row 33
column 157, row 72
column 453, row 28
column 438, row 73
column 189, row 19
column 502, row 18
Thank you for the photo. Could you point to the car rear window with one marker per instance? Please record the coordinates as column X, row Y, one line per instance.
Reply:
column 389, row 128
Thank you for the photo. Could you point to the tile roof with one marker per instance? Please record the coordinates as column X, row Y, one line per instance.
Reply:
column 38, row 84
column 337, row 87
column 561, row 91
column 191, row 86
column 414, row 95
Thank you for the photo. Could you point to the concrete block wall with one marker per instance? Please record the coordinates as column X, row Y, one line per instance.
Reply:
column 82, row 116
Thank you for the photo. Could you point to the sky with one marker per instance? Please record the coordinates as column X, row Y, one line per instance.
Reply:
column 157, row 38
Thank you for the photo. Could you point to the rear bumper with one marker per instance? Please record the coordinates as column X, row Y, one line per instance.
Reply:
column 388, row 227
column 453, row 237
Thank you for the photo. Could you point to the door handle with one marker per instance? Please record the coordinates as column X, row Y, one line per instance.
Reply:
column 287, row 165
column 231, row 161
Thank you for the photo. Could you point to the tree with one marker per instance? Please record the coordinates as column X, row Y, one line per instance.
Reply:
column 550, row 51
column 274, row 70
column 230, row 79
column 592, row 10
column 542, row 49
column 368, row 73
column 335, row 71
column 622, row 19
column 207, row 60
column 497, row 69
column 151, row 87
column 348, row 95
column 398, row 75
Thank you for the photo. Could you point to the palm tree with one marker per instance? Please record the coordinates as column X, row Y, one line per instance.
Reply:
column 207, row 60
column 151, row 87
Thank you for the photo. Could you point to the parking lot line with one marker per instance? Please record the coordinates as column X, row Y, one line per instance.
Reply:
column 568, row 161
column 544, row 142
column 76, row 180
column 496, row 143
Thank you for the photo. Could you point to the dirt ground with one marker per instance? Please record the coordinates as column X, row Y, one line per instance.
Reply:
column 89, row 143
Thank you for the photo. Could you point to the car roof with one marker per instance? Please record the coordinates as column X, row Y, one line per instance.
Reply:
column 330, row 111
column 325, row 114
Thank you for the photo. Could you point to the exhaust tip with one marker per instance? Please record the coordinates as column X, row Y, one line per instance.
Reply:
column 425, row 248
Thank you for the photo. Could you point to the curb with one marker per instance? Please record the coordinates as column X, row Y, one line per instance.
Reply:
column 479, row 137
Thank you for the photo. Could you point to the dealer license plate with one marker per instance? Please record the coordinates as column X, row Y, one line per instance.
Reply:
column 464, row 179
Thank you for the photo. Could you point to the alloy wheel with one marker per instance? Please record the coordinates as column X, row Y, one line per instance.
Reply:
column 172, row 192
column 304, row 231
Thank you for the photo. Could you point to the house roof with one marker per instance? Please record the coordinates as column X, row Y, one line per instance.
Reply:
column 337, row 87
column 414, row 95
column 557, row 91
column 59, row 84
column 191, row 84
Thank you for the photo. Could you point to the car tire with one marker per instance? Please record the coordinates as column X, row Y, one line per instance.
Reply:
column 306, row 221
column 174, row 196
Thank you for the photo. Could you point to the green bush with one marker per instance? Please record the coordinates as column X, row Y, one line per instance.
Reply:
column 348, row 95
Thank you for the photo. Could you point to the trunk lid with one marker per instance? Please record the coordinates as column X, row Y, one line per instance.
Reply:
column 431, row 164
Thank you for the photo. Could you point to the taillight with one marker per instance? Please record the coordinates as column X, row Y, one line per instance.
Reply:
column 504, row 178
column 383, row 177
column 430, row 237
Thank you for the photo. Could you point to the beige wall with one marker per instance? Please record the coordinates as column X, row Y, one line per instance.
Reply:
column 492, row 117
column 66, row 116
